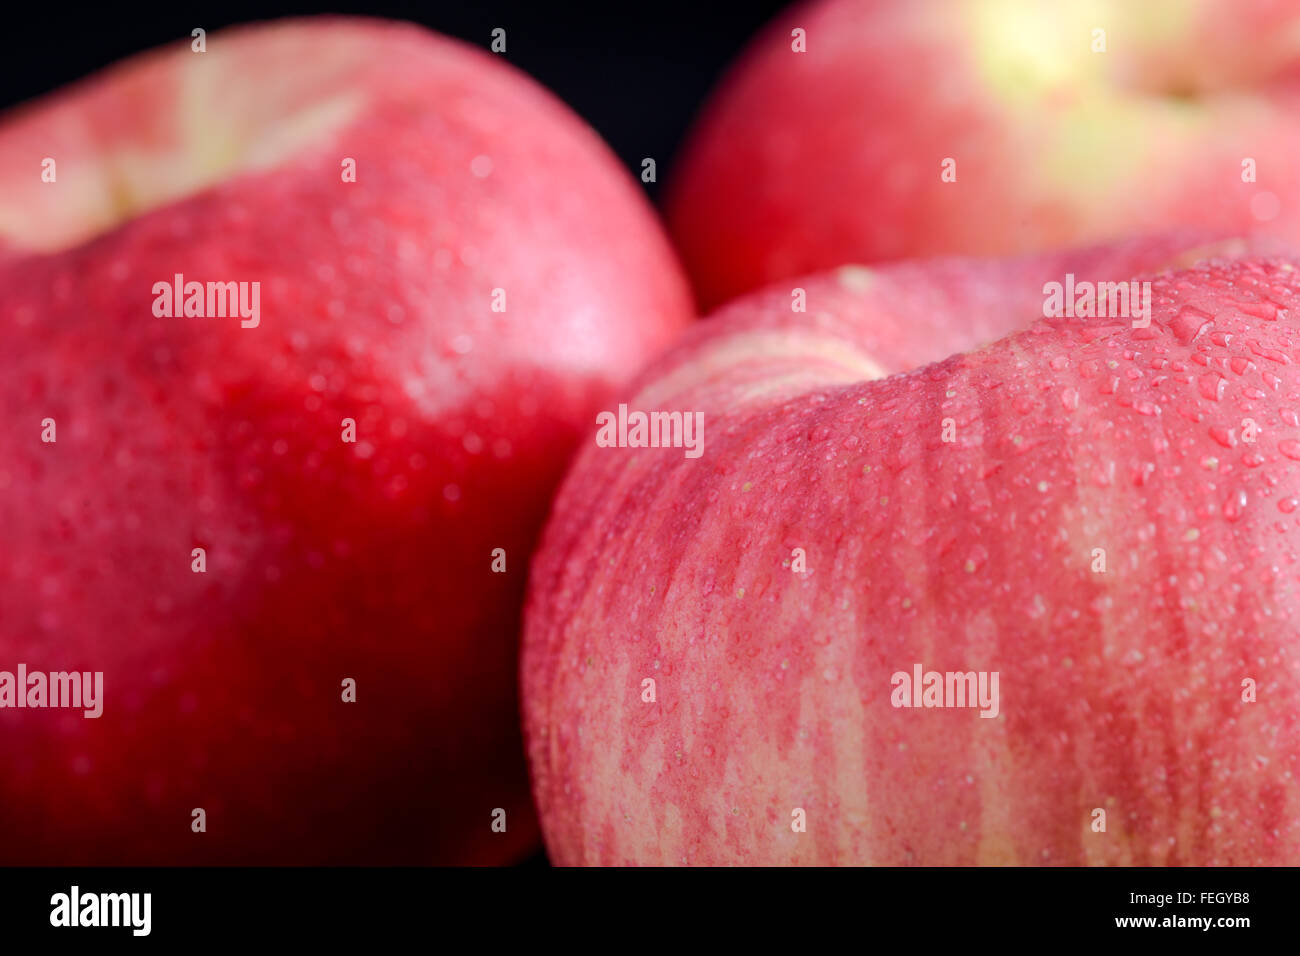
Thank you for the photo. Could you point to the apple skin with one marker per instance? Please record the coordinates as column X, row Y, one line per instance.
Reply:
column 804, row 161
column 1120, row 690
column 325, row 560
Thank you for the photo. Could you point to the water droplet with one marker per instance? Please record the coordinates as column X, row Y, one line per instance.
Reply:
column 1189, row 323
column 1235, row 506
column 1223, row 436
column 1272, row 355
column 1211, row 385
column 1261, row 310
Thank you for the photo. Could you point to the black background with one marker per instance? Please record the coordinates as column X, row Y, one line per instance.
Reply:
column 926, row 909
column 636, row 71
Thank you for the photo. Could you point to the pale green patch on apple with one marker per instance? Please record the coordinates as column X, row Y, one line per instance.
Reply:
column 186, row 123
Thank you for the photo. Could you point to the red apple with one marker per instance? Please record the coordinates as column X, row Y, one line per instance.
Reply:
column 988, row 127
column 720, row 651
column 466, row 302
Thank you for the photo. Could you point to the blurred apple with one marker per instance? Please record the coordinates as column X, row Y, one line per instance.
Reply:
column 988, row 127
column 451, row 272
